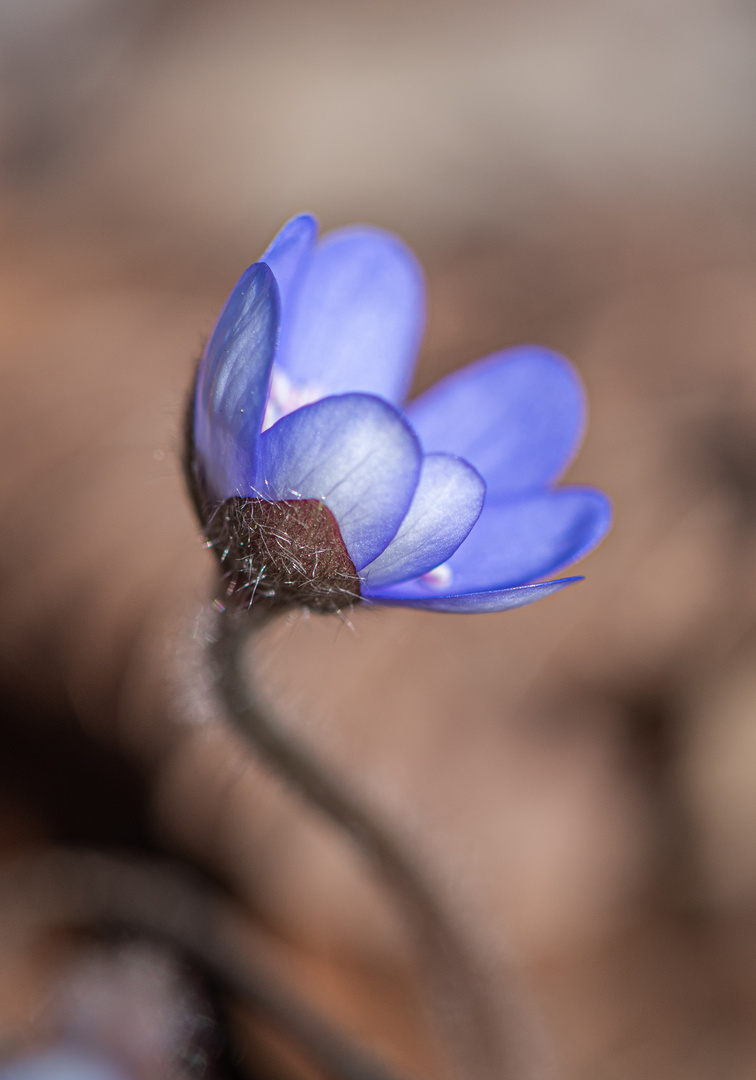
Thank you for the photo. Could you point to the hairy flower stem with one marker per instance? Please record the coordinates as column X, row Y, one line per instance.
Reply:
column 469, row 1017
column 92, row 890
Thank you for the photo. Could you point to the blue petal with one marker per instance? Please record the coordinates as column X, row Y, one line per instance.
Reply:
column 287, row 255
column 61, row 1064
column 232, row 383
column 356, row 454
column 357, row 318
column 477, row 603
column 517, row 416
column 515, row 541
column 447, row 503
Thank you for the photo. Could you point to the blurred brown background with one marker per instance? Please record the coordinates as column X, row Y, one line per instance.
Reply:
column 580, row 776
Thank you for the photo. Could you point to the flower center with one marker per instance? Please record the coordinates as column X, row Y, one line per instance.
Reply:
column 286, row 553
column 285, row 396
column 438, row 578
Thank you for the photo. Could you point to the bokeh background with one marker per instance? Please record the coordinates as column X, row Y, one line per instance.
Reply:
column 579, row 776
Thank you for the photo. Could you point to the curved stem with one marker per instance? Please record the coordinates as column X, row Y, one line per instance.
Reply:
column 464, row 1000
column 89, row 888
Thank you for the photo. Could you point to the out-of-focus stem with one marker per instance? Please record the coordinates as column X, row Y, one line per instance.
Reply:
column 89, row 889
column 470, row 1021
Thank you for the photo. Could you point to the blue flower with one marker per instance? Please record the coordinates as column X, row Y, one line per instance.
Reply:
column 312, row 485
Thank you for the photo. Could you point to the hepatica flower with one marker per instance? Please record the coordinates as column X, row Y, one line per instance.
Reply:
column 318, row 484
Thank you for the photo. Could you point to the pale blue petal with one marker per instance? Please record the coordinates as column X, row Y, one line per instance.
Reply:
column 61, row 1064
column 355, row 453
column 447, row 503
column 515, row 541
column 232, row 384
column 517, row 416
column 287, row 255
column 477, row 603
column 357, row 317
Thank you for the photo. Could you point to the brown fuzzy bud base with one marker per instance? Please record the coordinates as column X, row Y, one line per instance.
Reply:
column 283, row 553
